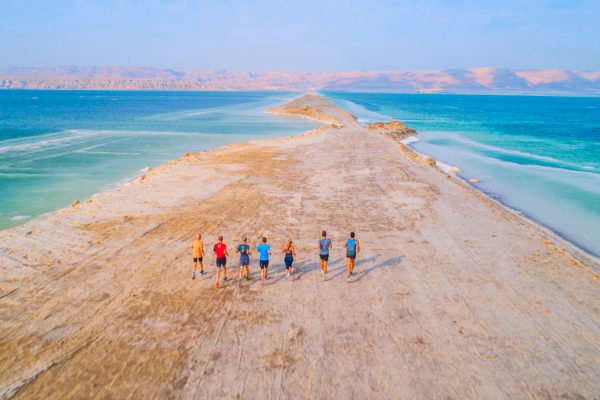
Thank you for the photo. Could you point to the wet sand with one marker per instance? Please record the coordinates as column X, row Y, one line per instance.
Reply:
column 454, row 295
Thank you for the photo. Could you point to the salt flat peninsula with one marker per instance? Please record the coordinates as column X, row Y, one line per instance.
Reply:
column 454, row 296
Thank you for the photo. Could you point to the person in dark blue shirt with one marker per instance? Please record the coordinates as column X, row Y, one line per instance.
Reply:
column 244, row 250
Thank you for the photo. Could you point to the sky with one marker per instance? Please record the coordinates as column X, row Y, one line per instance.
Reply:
column 309, row 35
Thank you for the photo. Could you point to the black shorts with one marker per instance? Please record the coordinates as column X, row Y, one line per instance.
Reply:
column 324, row 257
column 264, row 264
column 351, row 256
column 198, row 259
column 221, row 262
column 288, row 262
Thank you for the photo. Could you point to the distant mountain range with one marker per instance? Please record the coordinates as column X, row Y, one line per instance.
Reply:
column 469, row 80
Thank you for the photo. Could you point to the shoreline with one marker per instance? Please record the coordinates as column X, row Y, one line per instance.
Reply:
column 123, row 168
column 450, row 287
column 582, row 254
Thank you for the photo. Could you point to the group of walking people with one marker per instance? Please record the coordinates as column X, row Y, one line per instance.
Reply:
column 324, row 245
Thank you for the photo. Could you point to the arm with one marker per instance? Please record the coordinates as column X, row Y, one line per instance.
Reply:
column 294, row 251
column 357, row 246
column 330, row 244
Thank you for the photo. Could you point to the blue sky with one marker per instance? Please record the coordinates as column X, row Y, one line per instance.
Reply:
column 302, row 35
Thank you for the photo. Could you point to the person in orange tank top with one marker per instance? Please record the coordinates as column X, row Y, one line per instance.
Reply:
column 197, row 254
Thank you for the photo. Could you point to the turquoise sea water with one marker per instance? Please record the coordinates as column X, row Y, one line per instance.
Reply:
column 540, row 155
column 57, row 146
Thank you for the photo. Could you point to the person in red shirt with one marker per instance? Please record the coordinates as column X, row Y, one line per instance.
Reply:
column 220, row 250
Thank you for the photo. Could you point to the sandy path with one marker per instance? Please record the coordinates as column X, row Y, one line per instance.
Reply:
column 454, row 296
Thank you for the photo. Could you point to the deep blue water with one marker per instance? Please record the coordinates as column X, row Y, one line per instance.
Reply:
column 540, row 155
column 56, row 146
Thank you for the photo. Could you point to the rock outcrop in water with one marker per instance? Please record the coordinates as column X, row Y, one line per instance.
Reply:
column 395, row 129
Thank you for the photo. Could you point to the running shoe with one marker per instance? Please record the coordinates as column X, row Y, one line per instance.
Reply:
column 202, row 272
column 193, row 275
column 225, row 279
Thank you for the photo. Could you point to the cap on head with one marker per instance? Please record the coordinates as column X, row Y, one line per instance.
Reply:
column 352, row 235
column 264, row 239
column 324, row 234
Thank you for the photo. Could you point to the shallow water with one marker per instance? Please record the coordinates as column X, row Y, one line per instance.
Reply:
column 540, row 155
column 57, row 146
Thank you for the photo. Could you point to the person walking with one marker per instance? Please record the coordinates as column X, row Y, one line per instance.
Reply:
column 290, row 252
column 352, row 249
column 244, row 250
column 197, row 254
column 220, row 250
column 323, row 246
column 265, row 251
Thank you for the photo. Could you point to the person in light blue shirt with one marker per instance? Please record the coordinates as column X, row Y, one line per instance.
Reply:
column 265, row 251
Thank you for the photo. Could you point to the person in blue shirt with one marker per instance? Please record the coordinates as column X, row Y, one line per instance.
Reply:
column 352, row 249
column 244, row 250
column 265, row 251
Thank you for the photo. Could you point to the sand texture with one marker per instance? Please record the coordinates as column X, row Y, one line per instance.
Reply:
column 454, row 297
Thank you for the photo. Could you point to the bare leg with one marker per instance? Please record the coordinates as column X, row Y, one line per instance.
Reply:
column 218, row 277
column 201, row 267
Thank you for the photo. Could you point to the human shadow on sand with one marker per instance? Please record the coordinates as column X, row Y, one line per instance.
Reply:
column 361, row 273
column 342, row 268
column 300, row 268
